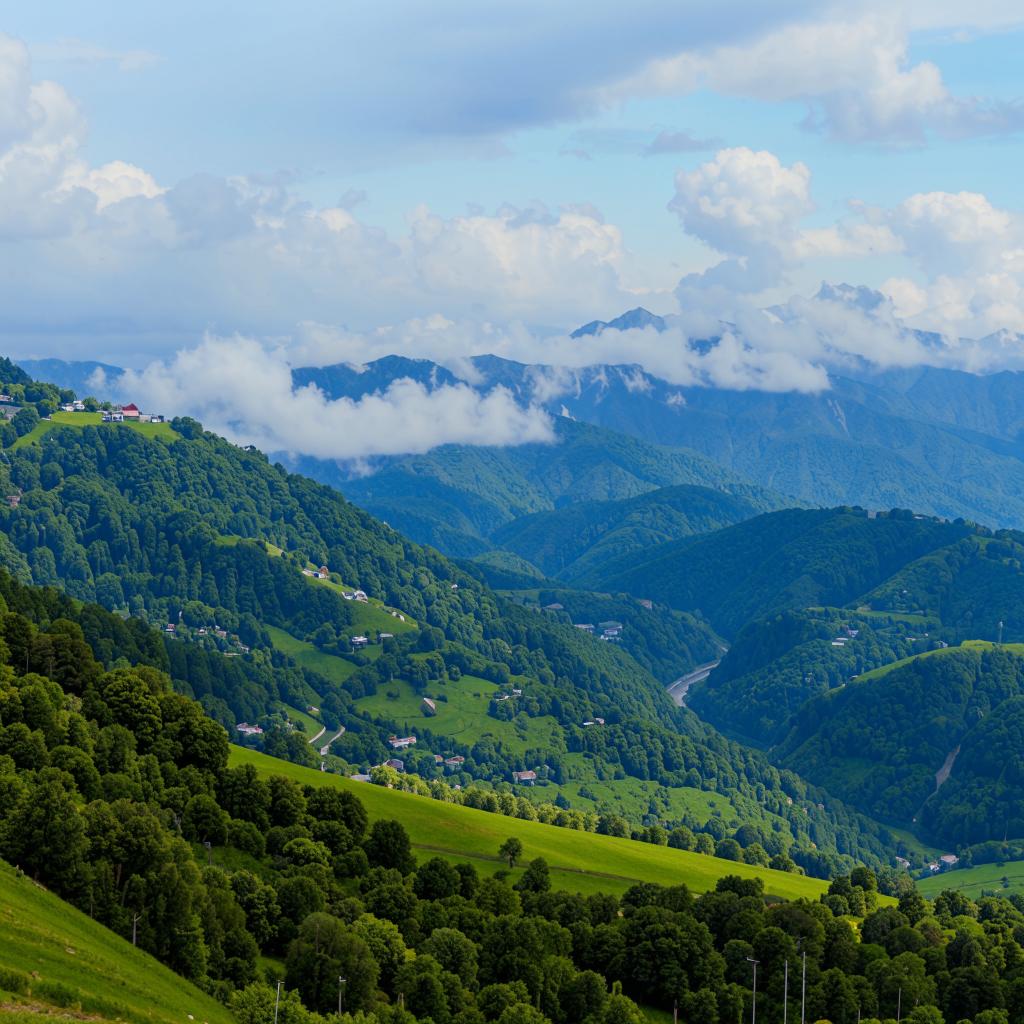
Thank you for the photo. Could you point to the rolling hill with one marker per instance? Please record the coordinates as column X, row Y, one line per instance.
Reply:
column 579, row 861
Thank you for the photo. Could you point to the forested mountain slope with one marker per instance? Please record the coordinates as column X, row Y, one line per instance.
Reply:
column 578, row 539
column 118, row 796
column 790, row 559
column 197, row 535
column 940, row 441
column 882, row 742
column 456, row 496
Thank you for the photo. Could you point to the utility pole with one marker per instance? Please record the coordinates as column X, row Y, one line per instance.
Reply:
column 1000, row 640
column 135, row 928
column 675, row 1011
column 803, row 990
column 341, row 988
column 277, row 1001
column 899, row 1005
column 785, row 994
column 753, row 1006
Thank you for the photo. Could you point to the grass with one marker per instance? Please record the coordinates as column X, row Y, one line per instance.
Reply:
column 107, row 977
column 463, row 716
column 579, row 861
column 371, row 614
column 336, row 669
column 975, row 882
column 162, row 431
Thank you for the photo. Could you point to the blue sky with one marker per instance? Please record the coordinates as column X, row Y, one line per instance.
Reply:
column 281, row 173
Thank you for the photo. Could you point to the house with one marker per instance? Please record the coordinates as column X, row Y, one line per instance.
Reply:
column 222, row 634
column 159, row 418
column 516, row 692
column 68, row 407
column 645, row 603
column 902, row 862
column 587, row 627
column 395, row 762
column 429, row 707
column 438, row 759
column 381, row 637
column 934, row 867
column 324, row 572
column 949, row 860
column 170, row 628
column 524, row 777
column 249, row 730
column 455, row 761
column 839, row 643
column 202, row 631
column 599, row 721
column 14, row 500
column 347, row 594
column 113, row 417
column 312, row 710
column 590, row 721
column 78, row 406
column 130, row 411
column 360, row 595
column 360, row 641
column 610, row 634
column 500, row 697
column 455, row 586
column 401, row 742
column 243, row 648
column 556, row 607
column 6, row 400
column 610, row 624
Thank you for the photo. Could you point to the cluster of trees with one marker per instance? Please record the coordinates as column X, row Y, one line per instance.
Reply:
column 152, row 528
column 114, row 787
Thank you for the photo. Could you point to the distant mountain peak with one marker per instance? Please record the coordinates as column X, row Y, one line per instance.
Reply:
column 632, row 319
column 868, row 300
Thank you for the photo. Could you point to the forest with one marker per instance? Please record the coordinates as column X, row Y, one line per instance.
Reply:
column 116, row 794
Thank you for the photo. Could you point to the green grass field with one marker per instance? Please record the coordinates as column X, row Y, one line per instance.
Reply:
column 107, row 977
column 163, row 431
column 975, row 882
column 307, row 656
column 371, row 614
column 463, row 716
column 579, row 861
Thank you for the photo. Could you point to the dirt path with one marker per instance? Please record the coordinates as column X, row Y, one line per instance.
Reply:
column 947, row 766
column 318, row 735
column 327, row 746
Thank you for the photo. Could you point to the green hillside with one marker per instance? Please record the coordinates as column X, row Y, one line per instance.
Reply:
column 579, row 861
column 881, row 740
column 777, row 663
column 984, row 880
column 211, row 541
column 72, row 965
column 456, row 496
column 79, row 420
column 790, row 559
column 576, row 540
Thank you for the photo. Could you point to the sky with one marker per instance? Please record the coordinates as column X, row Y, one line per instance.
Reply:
column 322, row 182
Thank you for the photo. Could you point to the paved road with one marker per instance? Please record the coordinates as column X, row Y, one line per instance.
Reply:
column 318, row 735
column 678, row 689
column 327, row 746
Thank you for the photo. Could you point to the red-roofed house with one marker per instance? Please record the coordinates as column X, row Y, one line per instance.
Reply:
column 130, row 411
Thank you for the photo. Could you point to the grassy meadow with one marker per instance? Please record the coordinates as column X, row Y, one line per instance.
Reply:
column 79, row 969
column 579, row 861
column 163, row 431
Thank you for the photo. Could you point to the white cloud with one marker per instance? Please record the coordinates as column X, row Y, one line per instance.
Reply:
column 83, row 52
column 854, row 75
column 240, row 389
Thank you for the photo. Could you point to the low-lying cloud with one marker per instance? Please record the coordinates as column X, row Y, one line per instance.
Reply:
column 238, row 388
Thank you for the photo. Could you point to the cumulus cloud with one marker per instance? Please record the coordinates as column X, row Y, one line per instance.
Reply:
column 854, row 76
column 240, row 389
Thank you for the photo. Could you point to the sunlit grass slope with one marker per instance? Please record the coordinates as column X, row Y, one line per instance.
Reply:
column 78, row 966
column 579, row 861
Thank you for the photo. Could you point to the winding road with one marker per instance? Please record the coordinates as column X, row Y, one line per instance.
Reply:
column 677, row 690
